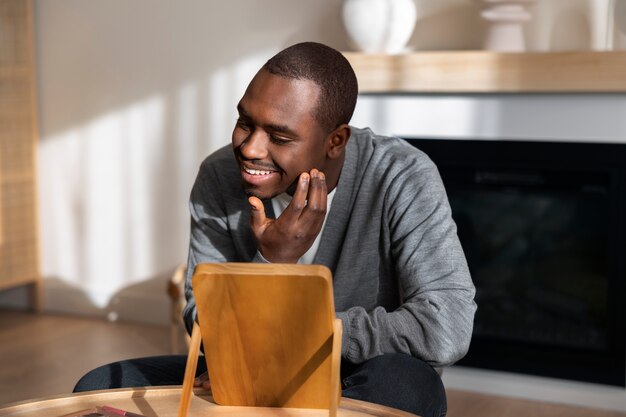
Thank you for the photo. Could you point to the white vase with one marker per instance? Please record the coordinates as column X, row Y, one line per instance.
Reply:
column 379, row 26
column 599, row 12
column 505, row 20
column 618, row 32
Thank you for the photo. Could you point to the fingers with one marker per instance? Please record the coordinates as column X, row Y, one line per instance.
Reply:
column 257, row 214
column 318, row 193
column 309, row 200
column 298, row 202
column 202, row 380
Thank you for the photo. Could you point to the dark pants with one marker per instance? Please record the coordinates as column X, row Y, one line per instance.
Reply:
column 394, row 380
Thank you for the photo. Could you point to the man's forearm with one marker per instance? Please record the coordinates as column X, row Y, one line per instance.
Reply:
column 436, row 330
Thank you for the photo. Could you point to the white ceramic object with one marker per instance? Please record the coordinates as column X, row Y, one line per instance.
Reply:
column 379, row 26
column 599, row 25
column 618, row 38
column 505, row 24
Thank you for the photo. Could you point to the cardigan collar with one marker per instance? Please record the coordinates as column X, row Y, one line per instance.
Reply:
column 337, row 218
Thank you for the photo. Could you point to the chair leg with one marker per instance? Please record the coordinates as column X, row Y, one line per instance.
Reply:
column 335, row 386
column 190, row 371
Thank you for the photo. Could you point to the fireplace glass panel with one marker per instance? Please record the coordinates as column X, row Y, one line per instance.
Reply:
column 539, row 255
column 543, row 230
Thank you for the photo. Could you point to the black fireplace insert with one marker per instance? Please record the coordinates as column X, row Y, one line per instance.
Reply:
column 543, row 227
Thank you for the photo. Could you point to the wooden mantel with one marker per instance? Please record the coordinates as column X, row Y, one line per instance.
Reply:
column 491, row 72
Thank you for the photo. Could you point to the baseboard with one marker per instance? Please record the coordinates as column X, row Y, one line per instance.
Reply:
column 536, row 388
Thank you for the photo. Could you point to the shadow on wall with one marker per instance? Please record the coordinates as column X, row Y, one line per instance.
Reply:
column 132, row 96
column 146, row 301
column 127, row 52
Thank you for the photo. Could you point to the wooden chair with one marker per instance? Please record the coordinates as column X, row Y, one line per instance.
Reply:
column 270, row 336
column 179, row 338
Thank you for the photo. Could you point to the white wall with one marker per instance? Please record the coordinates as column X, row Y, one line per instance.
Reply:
column 570, row 117
column 133, row 95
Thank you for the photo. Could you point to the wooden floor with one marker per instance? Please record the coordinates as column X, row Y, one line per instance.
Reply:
column 42, row 355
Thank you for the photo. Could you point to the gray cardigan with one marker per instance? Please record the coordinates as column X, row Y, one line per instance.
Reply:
column 401, row 282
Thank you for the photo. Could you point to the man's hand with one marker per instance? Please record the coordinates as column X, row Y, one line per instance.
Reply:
column 202, row 381
column 287, row 238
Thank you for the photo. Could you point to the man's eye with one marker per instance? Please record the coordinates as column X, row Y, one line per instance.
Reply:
column 278, row 141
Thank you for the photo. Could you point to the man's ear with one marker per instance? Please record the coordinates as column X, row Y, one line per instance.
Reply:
column 337, row 141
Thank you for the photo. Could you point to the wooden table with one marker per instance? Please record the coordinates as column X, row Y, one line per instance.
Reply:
column 163, row 401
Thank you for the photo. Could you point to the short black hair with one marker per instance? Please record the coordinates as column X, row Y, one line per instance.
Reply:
column 327, row 68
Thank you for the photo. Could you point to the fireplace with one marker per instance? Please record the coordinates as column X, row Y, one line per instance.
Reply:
column 543, row 227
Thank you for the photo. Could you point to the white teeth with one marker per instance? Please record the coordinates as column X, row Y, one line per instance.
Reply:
column 256, row 171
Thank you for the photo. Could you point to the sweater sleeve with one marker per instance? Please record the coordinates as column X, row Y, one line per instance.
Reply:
column 210, row 240
column 435, row 319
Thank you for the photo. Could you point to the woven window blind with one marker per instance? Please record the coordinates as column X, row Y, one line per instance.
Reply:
column 18, row 139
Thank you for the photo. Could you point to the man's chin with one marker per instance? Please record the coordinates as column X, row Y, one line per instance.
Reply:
column 263, row 196
column 263, row 193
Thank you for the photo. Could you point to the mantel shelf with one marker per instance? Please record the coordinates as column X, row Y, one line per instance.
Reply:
column 491, row 72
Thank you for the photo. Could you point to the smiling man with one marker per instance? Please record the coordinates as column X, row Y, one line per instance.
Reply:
column 300, row 185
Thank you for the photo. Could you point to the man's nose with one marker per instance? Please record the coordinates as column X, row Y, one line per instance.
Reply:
column 255, row 145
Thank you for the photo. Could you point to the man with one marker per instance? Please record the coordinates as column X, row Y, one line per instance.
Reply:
column 301, row 185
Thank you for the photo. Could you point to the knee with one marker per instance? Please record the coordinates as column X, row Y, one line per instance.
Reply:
column 408, row 370
column 399, row 381
column 122, row 374
column 139, row 372
column 97, row 379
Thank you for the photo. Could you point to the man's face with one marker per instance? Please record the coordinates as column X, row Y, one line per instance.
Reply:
column 276, row 137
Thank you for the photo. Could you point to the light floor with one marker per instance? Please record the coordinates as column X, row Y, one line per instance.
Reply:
column 42, row 355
